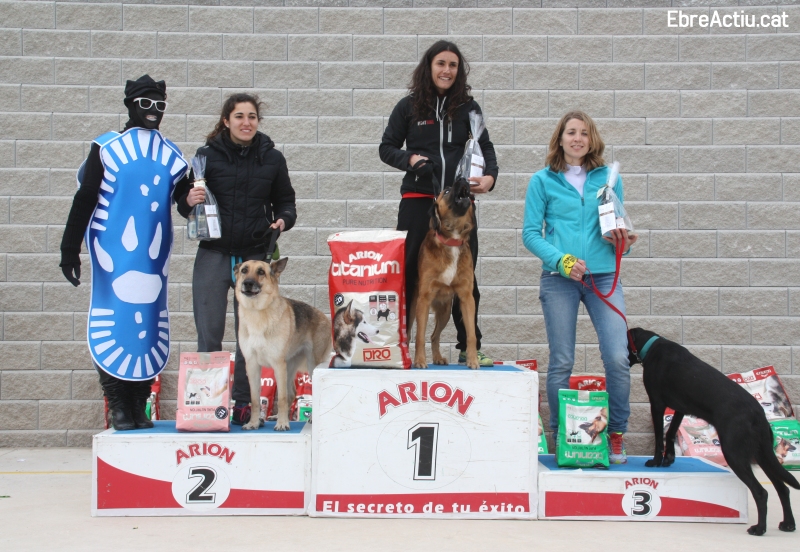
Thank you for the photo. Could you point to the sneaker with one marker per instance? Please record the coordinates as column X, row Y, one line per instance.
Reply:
column 483, row 360
column 241, row 413
column 616, row 449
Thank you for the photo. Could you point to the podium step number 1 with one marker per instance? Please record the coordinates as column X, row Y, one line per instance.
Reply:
column 425, row 443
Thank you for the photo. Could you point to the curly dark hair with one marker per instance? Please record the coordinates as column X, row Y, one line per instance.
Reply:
column 229, row 106
column 422, row 90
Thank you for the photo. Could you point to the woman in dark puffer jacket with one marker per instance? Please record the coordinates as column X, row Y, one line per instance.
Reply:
column 250, row 181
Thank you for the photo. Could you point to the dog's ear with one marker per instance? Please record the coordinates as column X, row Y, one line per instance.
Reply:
column 348, row 315
column 236, row 268
column 278, row 266
column 436, row 222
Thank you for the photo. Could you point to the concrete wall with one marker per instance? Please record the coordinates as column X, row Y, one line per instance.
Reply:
column 705, row 123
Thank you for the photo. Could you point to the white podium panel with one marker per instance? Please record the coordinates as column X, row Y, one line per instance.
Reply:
column 161, row 471
column 447, row 442
column 692, row 489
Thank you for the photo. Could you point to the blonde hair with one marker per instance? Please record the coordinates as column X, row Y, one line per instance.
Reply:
column 592, row 159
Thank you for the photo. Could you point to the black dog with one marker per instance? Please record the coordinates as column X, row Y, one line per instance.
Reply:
column 675, row 378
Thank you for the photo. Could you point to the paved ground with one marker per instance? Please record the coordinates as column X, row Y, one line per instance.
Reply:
column 46, row 500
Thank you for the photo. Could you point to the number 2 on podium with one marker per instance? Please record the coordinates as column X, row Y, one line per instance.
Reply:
column 423, row 437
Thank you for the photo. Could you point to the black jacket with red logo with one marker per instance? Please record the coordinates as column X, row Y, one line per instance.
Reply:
column 439, row 138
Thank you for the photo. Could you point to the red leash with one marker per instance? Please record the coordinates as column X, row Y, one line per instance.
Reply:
column 604, row 297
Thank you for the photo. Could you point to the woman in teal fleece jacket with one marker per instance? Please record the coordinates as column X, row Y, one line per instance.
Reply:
column 562, row 228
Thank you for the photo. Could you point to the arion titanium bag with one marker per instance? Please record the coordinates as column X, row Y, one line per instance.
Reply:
column 366, row 284
column 582, row 429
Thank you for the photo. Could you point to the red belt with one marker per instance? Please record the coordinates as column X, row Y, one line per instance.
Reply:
column 415, row 195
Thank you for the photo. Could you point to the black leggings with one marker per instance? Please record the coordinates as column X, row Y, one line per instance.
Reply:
column 414, row 217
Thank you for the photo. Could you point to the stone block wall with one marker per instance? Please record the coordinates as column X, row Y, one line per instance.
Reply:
column 704, row 121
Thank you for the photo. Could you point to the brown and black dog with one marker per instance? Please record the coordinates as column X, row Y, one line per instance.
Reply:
column 445, row 270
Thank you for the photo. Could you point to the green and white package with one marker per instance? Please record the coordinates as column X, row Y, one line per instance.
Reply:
column 786, row 435
column 542, row 440
column 582, row 423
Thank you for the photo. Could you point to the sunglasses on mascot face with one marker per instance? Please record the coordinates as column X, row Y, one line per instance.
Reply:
column 147, row 103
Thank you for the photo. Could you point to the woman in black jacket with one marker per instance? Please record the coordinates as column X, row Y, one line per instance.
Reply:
column 250, row 181
column 433, row 121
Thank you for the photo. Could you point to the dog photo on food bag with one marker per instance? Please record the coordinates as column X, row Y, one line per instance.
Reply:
column 445, row 270
column 350, row 325
column 278, row 332
column 675, row 378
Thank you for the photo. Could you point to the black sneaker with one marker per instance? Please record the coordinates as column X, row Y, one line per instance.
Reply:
column 241, row 413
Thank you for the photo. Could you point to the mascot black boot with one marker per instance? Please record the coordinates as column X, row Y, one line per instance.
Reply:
column 119, row 408
column 140, row 392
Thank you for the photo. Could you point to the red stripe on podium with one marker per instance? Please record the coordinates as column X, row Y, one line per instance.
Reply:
column 462, row 502
column 119, row 489
column 557, row 504
column 681, row 507
column 564, row 504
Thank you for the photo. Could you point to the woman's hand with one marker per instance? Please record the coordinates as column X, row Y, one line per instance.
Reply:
column 578, row 270
column 196, row 195
column 414, row 159
column 621, row 240
column 484, row 184
column 279, row 224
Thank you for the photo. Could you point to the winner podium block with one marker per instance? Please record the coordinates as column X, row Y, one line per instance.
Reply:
column 446, row 442
column 160, row 471
column 692, row 489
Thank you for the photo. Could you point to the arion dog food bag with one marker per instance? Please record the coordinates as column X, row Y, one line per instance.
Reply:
column 301, row 407
column 765, row 385
column 366, row 284
column 587, row 382
column 268, row 391
column 542, row 449
column 696, row 437
column 204, row 391
column 667, row 422
column 582, row 423
column 786, row 435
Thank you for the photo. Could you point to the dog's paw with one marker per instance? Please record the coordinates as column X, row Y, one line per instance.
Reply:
column 785, row 526
column 281, row 426
column 654, row 463
column 668, row 461
column 757, row 530
column 420, row 364
column 249, row 426
column 439, row 360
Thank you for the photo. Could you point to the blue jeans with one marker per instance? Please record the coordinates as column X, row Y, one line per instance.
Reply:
column 560, row 298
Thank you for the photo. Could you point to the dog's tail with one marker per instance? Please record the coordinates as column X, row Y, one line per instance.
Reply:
column 773, row 468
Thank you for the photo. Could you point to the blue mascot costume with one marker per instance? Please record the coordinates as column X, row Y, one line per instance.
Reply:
column 123, row 210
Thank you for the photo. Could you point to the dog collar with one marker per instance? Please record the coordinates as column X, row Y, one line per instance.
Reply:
column 452, row 242
column 647, row 345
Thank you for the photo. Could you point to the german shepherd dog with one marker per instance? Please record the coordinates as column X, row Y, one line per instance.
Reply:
column 445, row 270
column 675, row 378
column 278, row 332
